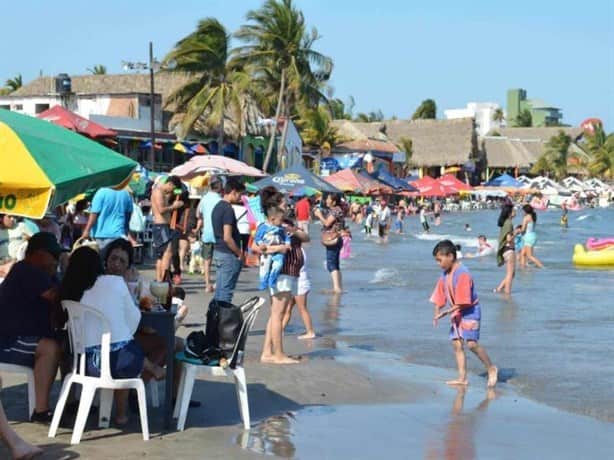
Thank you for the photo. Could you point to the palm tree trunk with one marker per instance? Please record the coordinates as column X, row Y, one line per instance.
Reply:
column 220, row 137
column 282, row 88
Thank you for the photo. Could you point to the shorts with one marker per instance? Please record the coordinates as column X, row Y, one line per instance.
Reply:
column 21, row 351
column 425, row 226
column 162, row 237
column 398, row 226
column 304, row 284
column 208, row 251
column 303, row 225
column 436, row 215
column 382, row 230
column 529, row 239
column 332, row 256
column 285, row 283
column 125, row 363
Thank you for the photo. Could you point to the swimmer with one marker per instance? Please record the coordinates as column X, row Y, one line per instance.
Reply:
column 467, row 227
column 484, row 248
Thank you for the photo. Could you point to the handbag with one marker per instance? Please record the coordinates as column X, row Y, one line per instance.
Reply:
column 224, row 322
column 330, row 238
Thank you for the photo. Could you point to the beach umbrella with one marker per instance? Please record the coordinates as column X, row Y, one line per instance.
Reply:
column 304, row 190
column 293, row 177
column 427, row 186
column 60, row 116
column 197, row 148
column 453, row 184
column 398, row 185
column 504, row 180
column 351, row 181
column 180, row 148
column 44, row 165
column 215, row 164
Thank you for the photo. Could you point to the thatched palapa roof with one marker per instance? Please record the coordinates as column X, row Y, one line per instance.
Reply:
column 435, row 142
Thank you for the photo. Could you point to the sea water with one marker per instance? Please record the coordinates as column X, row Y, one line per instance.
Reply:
column 552, row 339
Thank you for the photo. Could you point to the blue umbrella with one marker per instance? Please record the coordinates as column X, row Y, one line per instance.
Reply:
column 397, row 184
column 504, row 180
column 293, row 177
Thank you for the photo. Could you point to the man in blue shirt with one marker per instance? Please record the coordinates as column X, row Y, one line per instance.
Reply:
column 109, row 216
column 28, row 301
column 205, row 209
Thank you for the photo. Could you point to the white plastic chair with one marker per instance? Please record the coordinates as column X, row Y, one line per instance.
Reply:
column 77, row 314
column 189, row 371
column 29, row 373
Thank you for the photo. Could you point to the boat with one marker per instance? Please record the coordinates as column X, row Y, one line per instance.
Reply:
column 598, row 244
column 603, row 258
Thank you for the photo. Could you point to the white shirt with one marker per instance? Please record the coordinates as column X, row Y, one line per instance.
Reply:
column 384, row 215
column 110, row 296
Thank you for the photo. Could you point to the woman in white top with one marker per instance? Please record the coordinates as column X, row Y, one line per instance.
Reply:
column 86, row 282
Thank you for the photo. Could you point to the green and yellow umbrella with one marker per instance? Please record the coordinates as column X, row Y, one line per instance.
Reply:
column 43, row 165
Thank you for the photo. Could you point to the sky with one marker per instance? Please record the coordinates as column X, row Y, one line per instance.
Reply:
column 388, row 54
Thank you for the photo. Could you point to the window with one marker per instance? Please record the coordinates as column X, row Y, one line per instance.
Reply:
column 39, row 108
column 18, row 107
column 5, row 107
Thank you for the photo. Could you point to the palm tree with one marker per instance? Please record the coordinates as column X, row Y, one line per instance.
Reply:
column 218, row 84
column 498, row 116
column 601, row 150
column 316, row 128
column 555, row 157
column 13, row 84
column 406, row 145
column 279, row 50
column 98, row 69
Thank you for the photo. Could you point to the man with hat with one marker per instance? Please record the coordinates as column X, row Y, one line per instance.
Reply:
column 28, row 301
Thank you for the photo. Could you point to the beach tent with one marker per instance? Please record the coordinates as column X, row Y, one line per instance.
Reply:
column 427, row 186
column 351, row 181
column 214, row 164
column 453, row 184
column 294, row 177
column 504, row 180
column 399, row 185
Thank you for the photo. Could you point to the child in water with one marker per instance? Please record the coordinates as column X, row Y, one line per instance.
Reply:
column 564, row 217
column 346, row 248
column 456, row 287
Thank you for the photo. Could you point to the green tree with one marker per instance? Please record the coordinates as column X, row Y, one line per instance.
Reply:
column 341, row 110
column 426, row 110
column 219, row 85
column 13, row 84
column 98, row 69
column 285, row 66
column 524, row 119
column 600, row 148
column 555, row 157
column 498, row 115
column 372, row 116
column 406, row 145
column 316, row 127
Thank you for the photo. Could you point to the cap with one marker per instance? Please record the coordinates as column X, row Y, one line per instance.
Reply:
column 45, row 241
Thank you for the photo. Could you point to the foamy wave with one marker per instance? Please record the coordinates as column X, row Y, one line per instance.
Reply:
column 464, row 241
column 384, row 275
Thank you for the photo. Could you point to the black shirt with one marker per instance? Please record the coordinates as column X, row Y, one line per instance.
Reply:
column 223, row 214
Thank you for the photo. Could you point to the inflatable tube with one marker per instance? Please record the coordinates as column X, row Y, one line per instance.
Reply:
column 597, row 244
column 539, row 205
column 603, row 258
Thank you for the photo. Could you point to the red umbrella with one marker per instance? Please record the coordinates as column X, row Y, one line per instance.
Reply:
column 60, row 116
column 428, row 186
column 350, row 181
column 453, row 184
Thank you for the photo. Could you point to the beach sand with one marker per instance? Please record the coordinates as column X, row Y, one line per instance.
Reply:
column 338, row 403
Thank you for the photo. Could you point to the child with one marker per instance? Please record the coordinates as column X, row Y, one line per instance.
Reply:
column 179, row 306
column 346, row 248
column 273, row 242
column 300, row 300
column 369, row 223
column 564, row 217
column 467, row 227
column 398, row 223
column 518, row 241
column 423, row 220
column 459, row 253
column 455, row 286
column 196, row 256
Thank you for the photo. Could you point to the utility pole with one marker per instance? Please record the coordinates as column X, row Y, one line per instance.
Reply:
column 152, row 150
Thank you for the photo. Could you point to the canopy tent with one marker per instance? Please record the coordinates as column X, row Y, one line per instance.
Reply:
column 397, row 184
column 293, row 177
column 60, row 116
column 547, row 186
column 453, row 184
column 348, row 180
column 216, row 164
column 427, row 186
column 504, row 180
column 45, row 165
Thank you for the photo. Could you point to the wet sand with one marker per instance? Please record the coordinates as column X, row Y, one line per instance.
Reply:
column 340, row 402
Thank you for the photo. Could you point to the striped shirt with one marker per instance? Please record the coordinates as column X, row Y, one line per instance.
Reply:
column 293, row 260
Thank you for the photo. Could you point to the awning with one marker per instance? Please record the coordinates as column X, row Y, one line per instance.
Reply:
column 60, row 116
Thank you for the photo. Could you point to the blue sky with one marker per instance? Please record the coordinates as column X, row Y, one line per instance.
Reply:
column 388, row 54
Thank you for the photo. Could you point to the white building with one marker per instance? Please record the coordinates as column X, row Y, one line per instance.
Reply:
column 482, row 112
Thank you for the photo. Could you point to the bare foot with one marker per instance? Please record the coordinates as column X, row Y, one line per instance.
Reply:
column 279, row 360
column 23, row 450
column 307, row 335
column 493, row 374
column 457, row 382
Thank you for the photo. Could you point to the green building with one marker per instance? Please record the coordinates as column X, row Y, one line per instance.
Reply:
column 542, row 114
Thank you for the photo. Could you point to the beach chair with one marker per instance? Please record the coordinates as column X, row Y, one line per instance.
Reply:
column 77, row 314
column 29, row 373
column 191, row 367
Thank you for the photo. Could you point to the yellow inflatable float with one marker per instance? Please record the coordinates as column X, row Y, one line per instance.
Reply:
column 602, row 258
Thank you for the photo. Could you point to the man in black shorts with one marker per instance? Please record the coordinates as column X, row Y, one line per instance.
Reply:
column 28, row 301
column 163, row 236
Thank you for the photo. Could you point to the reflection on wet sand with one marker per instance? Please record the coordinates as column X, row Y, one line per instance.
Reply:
column 331, row 312
column 458, row 441
column 273, row 436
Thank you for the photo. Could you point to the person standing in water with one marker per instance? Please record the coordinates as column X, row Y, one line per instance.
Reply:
column 506, row 253
column 564, row 217
column 530, row 237
column 456, row 287
column 437, row 212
